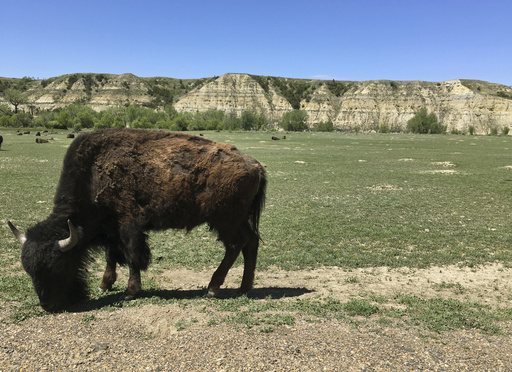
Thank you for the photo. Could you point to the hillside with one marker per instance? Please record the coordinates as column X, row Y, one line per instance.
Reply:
column 349, row 104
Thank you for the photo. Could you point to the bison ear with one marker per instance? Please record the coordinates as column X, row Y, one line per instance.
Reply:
column 67, row 244
column 17, row 233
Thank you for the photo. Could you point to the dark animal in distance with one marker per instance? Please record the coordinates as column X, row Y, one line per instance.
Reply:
column 40, row 140
column 274, row 138
column 1, row 141
column 116, row 184
column 70, row 135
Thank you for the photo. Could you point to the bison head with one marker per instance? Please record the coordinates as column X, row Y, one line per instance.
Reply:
column 53, row 265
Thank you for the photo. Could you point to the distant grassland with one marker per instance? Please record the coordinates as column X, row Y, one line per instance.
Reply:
column 333, row 199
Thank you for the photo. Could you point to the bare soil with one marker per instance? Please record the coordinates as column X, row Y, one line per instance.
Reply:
column 150, row 337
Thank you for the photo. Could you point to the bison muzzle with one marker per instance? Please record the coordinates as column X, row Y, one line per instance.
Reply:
column 117, row 184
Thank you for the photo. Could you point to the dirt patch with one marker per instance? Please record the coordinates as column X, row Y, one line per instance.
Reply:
column 443, row 163
column 442, row 171
column 384, row 188
column 491, row 284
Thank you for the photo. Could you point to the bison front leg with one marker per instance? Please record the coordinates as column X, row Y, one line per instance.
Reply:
column 109, row 277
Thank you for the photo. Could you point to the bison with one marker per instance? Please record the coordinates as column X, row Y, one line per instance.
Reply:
column 117, row 184
column 1, row 140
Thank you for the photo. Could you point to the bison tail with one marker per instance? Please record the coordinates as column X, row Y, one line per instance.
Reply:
column 257, row 206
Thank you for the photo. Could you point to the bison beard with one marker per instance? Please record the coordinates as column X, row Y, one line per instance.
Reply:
column 116, row 184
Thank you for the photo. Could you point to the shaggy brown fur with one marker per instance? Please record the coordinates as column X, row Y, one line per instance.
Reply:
column 118, row 183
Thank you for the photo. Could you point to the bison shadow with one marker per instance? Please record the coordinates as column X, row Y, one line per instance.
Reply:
column 113, row 299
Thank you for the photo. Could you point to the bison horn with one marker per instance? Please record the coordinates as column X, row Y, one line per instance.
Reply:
column 67, row 244
column 17, row 233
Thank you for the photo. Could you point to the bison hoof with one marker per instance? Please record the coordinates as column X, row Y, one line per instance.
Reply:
column 210, row 293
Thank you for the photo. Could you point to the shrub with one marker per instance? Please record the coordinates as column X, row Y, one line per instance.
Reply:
column 324, row 126
column 471, row 130
column 295, row 121
column 383, row 128
column 423, row 123
column 21, row 119
column 505, row 131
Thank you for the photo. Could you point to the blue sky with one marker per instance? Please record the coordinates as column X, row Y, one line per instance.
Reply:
column 432, row 40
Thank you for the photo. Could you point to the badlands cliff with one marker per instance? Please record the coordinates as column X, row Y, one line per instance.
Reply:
column 364, row 105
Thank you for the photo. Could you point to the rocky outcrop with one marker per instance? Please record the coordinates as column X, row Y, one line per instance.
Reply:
column 365, row 105
column 235, row 93
column 99, row 91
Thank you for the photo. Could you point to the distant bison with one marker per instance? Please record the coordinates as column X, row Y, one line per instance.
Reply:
column 1, row 141
column 116, row 184
column 70, row 135
column 40, row 140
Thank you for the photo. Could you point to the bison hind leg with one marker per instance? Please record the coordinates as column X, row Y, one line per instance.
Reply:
column 244, row 239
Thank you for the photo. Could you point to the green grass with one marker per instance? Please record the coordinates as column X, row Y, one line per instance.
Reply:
column 333, row 199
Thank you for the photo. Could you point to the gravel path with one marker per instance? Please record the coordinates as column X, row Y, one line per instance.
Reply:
column 116, row 341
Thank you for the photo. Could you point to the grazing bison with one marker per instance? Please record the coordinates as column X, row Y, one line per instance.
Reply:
column 116, row 184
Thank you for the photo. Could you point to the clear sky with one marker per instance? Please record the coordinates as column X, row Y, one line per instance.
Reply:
column 432, row 40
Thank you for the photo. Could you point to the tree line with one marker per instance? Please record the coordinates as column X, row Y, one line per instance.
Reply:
column 79, row 116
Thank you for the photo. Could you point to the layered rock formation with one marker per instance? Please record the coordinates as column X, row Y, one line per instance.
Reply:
column 98, row 93
column 235, row 93
column 363, row 105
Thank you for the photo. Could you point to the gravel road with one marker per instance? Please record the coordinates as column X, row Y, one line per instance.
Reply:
column 117, row 341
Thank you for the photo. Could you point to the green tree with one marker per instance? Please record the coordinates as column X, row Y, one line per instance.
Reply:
column 295, row 121
column 5, row 110
column 423, row 123
column 181, row 122
column 20, row 120
column 251, row 120
column 64, row 120
column 85, row 118
column 106, row 120
column 15, row 97
column 118, row 122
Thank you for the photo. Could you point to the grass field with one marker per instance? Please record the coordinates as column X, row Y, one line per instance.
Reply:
column 346, row 200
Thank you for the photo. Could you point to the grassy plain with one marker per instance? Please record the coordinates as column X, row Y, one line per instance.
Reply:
column 345, row 200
